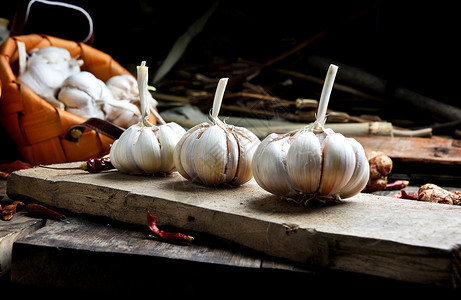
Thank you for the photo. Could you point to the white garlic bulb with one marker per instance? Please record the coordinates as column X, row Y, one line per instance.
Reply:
column 125, row 87
column 145, row 148
column 217, row 153
column 313, row 162
column 85, row 95
column 45, row 70
column 80, row 93
column 59, row 57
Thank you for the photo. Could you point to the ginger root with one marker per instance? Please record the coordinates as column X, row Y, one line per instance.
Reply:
column 380, row 167
column 433, row 193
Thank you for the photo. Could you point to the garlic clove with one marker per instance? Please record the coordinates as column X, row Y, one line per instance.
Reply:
column 168, row 135
column 181, row 156
column 304, row 162
column 122, row 151
column 338, row 164
column 269, row 165
column 214, row 156
column 147, row 151
column 247, row 143
column 361, row 173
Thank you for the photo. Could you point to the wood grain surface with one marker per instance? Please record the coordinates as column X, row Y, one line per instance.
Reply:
column 368, row 234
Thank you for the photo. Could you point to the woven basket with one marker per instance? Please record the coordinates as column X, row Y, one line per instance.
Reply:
column 38, row 128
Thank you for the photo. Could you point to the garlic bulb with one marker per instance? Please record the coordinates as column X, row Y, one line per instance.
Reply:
column 60, row 58
column 45, row 71
column 85, row 95
column 125, row 87
column 313, row 162
column 216, row 153
column 80, row 92
column 145, row 148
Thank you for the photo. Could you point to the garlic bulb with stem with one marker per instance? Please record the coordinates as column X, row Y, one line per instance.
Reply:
column 313, row 163
column 145, row 148
column 216, row 153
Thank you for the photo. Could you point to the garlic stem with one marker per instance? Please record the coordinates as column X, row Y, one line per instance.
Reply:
column 218, row 98
column 325, row 96
column 142, row 76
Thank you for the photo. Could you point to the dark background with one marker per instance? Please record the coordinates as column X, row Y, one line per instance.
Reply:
column 410, row 44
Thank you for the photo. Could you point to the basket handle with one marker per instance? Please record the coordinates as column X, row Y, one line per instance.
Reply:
column 22, row 15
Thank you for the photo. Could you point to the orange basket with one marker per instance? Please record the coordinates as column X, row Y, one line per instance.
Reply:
column 38, row 128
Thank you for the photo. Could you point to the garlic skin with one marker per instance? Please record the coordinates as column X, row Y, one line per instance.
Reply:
column 145, row 148
column 313, row 162
column 217, row 153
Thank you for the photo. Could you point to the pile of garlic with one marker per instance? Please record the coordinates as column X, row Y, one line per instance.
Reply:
column 145, row 148
column 313, row 162
column 56, row 77
column 45, row 70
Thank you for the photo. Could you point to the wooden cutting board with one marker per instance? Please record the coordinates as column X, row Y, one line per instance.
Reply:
column 368, row 234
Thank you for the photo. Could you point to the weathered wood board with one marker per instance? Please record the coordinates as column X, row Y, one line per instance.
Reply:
column 376, row 235
column 435, row 150
column 423, row 160
column 88, row 255
column 11, row 231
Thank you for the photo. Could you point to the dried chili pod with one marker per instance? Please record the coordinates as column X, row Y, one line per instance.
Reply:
column 96, row 165
column 152, row 224
column 41, row 211
column 92, row 165
column 9, row 211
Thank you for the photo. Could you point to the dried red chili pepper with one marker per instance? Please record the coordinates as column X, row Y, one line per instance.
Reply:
column 41, row 211
column 93, row 165
column 152, row 224
column 9, row 211
column 398, row 184
column 405, row 195
column 7, row 168
column 96, row 165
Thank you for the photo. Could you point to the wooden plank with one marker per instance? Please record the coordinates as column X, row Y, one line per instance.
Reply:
column 88, row 255
column 435, row 150
column 367, row 234
column 11, row 231
column 421, row 160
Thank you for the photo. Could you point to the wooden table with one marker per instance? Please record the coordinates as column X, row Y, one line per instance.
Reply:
column 91, row 254
column 85, row 255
